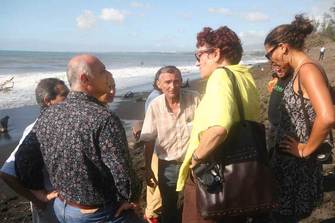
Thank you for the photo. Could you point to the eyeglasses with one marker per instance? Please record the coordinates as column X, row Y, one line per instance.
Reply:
column 200, row 52
column 269, row 54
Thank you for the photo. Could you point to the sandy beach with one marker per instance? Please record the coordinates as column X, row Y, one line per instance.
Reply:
column 16, row 209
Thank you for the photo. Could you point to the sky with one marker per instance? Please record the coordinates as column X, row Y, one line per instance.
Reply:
column 140, row 26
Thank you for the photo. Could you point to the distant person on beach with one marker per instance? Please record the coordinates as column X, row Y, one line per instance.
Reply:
column 322, row 53
column 153, row 196
column 167, row 127
column 217, row 110
column 85, row 150
column 48, row 92
column 306, row 117
column 186, row 84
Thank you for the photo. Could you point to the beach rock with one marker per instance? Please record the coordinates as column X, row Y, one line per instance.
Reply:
column 4, row 124
column 129, row 94
column 139, row 99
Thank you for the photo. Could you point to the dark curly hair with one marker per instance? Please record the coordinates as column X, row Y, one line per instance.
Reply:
column 293, row 34
column 223, row 38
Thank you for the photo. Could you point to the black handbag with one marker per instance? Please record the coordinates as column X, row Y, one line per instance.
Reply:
column 236, row 179
column 323, row 153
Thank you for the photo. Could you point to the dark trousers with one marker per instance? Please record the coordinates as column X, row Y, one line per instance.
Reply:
column 167, row 181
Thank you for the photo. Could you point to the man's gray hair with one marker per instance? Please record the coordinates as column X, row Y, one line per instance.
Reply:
column 74, row 70
column 166, row 69
column 47, row 88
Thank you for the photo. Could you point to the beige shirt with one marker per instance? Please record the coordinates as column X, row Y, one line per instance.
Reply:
column 171, row 131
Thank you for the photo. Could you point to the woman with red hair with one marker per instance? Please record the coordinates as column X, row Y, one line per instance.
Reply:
column 217, row 51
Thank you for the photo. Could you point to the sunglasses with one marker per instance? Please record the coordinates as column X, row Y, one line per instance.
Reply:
column 269, row 54
column 200, row 52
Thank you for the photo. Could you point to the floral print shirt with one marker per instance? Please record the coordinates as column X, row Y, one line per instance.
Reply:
column 85, row 150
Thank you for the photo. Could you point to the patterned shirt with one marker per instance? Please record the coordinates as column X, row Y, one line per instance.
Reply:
column 84, row 148
column 170, row 131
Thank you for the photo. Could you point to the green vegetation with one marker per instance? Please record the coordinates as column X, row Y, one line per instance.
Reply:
column 324, row 29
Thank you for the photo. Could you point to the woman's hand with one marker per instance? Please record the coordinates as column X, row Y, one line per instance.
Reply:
column 195, row 160
column 150, row 177
column 43, row 197
column 292, row 146
column 193, row 163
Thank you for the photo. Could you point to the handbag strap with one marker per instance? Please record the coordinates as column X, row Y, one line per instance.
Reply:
column 307, row 122
column 236, row 91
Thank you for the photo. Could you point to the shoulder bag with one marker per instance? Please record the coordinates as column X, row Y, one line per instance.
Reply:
column 236, row 179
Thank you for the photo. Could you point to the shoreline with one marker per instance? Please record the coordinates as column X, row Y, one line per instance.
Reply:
column 16, row 209
column 128, row 110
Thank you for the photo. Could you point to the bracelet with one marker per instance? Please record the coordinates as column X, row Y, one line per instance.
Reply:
column 195, row 157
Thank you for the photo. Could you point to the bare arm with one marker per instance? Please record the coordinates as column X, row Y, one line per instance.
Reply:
column 15, row 184
column 148, row 136
column 148, row 151
column 136, row 128
column 209, row 140
column 314, row 87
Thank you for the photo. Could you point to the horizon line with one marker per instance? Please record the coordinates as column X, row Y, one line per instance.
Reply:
column 149, row 51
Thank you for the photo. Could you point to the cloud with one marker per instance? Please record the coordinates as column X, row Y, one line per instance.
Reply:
column 252, row 37
column 110, row 14
column 256, row 17
column 86, row 20
column 139, row 5
column 223, row 11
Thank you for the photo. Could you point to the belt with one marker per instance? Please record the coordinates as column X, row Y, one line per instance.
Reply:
column 176, row 162
column 76, row 204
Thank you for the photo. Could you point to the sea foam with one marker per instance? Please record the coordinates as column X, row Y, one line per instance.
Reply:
column 126, row 79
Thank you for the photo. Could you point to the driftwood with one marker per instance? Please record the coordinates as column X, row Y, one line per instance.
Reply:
column 7, row 84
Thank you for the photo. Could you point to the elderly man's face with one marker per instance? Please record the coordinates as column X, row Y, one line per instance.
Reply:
column 170, row 84
column 110, row 90
column 100, row 82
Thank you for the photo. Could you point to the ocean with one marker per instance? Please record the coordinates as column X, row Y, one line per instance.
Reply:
column 132, row 71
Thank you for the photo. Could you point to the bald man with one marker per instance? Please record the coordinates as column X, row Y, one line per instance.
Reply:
column 85, row 150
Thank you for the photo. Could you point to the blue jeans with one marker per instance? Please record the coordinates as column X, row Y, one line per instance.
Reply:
column 167, row 182
column 70, row 214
